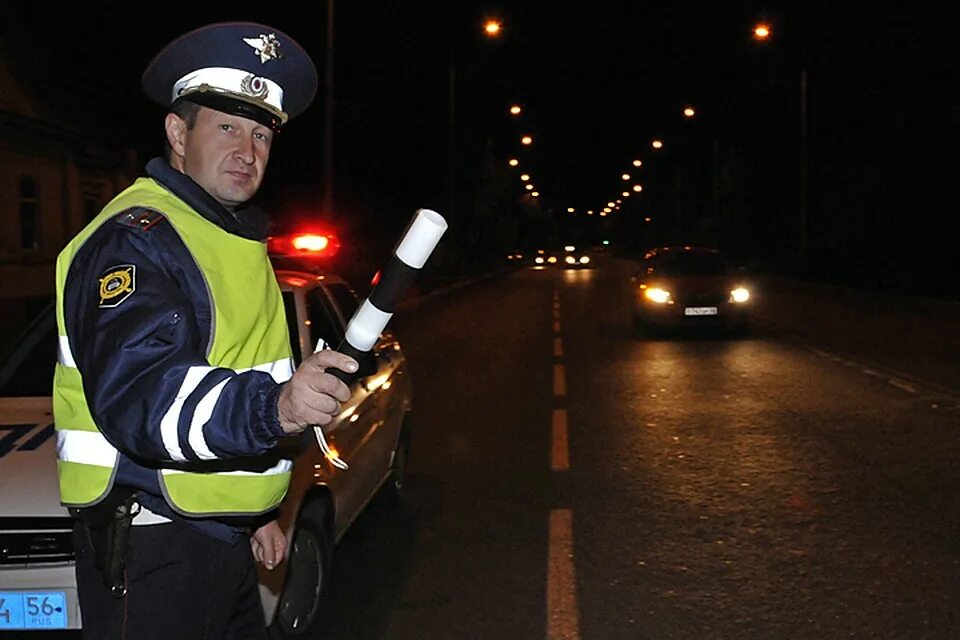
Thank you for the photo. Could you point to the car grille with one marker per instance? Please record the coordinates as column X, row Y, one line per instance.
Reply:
column 704, row 300
column 35, row 541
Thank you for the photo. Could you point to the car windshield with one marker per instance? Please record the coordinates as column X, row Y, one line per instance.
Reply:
column 690, row 264
column 27, row 369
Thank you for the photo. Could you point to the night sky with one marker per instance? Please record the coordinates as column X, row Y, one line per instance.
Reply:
column 598, row 81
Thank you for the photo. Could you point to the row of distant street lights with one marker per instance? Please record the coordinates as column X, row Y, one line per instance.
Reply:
column 493, row 28
column 612, row 205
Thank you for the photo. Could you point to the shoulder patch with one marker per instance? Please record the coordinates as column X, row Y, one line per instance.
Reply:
column 117, row 283
column 139, row 218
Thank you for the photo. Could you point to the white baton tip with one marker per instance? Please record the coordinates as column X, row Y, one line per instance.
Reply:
column 421, row 238
column 365, row 327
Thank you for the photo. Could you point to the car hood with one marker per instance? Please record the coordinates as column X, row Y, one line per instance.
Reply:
column 28, row 459
column 697, row 284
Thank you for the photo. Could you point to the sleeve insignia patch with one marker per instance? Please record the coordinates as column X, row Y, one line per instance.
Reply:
column 117, row 283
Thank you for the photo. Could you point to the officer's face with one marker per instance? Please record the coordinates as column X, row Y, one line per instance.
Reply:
column 225, row 154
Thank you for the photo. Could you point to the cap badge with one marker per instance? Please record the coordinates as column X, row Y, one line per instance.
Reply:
column 254, row 86
column 266, row 46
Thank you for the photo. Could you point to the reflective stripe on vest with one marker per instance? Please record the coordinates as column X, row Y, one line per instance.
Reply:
column 242, row 287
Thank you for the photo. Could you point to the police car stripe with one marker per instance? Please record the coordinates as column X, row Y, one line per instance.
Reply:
column 64, row 355
column 283, row 466
column 169, row 432
column 85, row 447
column 200, row 417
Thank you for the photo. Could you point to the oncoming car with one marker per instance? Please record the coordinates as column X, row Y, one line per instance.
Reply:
column 574, row 258
column 545, row 258
column 370, row 438
column 684, row 286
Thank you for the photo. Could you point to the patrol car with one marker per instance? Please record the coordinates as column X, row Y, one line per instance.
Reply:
column 365, row 451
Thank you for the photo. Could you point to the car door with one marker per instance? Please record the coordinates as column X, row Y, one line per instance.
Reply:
column 362, row 435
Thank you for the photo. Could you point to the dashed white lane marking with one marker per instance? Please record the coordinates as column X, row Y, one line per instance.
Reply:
column 563, row 621
column 900, row 384
column 559, row 451
column 895, row 382
column 559, row 381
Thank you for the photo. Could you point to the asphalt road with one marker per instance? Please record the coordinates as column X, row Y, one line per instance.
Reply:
column 571, row 478
column 763, row 487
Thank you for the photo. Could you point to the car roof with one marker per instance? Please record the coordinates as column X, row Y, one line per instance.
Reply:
column 290, row 279
column 656, row 251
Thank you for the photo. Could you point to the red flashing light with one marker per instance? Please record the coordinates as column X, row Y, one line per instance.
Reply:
column 305, row 245
column 310, row 242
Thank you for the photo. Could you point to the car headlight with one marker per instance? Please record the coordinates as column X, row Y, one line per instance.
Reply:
column 656, row 294
column 740, row 294
column 552, row 259
column 584, row 259
column 538, row 260
column 570, row 260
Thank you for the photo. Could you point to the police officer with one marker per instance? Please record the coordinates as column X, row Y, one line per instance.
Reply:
column 174, row 379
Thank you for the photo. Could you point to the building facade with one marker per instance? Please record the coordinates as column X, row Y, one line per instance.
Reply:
column 53, row 179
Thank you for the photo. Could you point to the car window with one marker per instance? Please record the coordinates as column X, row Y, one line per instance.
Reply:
column 346, row 300
column 290, row 310
column 27, row 369
column 324, row 323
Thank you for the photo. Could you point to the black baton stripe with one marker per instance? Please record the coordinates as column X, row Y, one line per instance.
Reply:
column 394, row 281
column 349, row 349
column 347, row 377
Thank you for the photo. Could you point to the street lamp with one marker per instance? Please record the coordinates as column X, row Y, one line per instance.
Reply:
column 492, row 29
column 762, row 33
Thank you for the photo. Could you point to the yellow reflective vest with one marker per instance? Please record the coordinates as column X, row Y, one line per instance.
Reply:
column 249, row 332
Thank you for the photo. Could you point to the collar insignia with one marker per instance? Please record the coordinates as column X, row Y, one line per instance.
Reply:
column 266, row 46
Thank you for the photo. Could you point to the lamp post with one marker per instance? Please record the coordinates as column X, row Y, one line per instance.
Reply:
column 492, row 29
column 762, row 33
column 326, row 179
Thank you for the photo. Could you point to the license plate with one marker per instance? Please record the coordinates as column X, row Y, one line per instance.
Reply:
column 33, row 610
column 699, row 311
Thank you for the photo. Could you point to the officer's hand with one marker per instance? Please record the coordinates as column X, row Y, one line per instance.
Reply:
column 313, row 396
column 269, row 545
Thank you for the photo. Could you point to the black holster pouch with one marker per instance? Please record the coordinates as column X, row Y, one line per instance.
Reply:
column 108, row 525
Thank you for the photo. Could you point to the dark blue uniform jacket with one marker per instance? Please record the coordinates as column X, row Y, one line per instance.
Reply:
column 133, row 357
